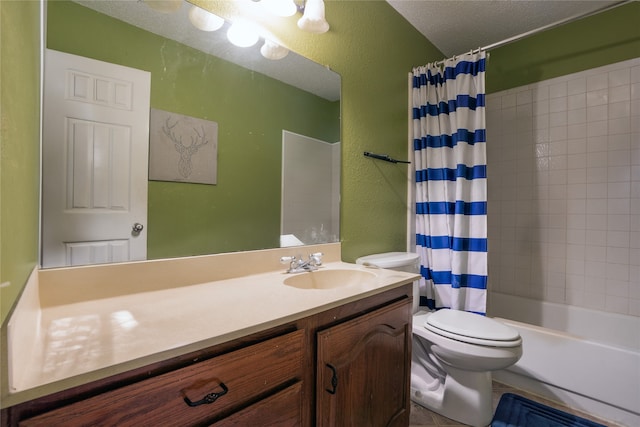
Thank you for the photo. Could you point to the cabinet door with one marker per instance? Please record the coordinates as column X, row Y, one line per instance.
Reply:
column 363, row 369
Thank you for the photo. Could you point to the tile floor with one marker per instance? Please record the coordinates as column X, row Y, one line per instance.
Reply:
column 421, row 417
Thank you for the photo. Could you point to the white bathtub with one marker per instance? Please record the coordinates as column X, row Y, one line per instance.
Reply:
column 587, row 359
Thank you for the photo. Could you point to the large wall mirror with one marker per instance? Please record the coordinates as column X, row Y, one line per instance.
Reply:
column 274, row 121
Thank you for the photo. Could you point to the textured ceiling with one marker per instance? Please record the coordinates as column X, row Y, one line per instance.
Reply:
column 457, row 26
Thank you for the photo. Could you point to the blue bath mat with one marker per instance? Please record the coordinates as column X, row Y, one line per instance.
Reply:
column 516, row 411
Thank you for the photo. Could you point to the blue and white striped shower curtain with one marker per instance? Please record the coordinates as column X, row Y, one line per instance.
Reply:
column 449, row 138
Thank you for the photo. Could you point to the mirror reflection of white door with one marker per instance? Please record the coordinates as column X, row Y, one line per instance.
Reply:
column 95, row 148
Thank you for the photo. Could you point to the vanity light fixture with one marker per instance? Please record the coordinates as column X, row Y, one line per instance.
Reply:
column 242, row 34
column 272, row 50
column 205, row 20
column 313, row 19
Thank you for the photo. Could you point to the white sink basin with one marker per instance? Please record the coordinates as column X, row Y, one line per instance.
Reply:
column 328, row 279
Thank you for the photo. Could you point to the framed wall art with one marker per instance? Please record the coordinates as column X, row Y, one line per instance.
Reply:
column 182, row 148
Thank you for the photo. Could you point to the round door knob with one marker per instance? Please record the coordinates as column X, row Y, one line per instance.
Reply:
column 137, row 227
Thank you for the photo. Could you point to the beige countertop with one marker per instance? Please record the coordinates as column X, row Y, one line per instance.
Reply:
column 89, row 339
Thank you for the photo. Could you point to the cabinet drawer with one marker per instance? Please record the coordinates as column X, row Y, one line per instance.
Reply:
column 283, row 409
column 248, row 374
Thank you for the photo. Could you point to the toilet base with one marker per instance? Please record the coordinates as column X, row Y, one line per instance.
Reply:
column 464, row 396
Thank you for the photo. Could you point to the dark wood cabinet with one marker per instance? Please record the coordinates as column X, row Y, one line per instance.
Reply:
column 362, row 370
column 283, row 376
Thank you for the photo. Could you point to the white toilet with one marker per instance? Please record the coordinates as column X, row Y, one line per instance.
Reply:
column 453, row 354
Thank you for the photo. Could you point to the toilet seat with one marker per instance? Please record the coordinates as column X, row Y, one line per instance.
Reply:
column 472, row 328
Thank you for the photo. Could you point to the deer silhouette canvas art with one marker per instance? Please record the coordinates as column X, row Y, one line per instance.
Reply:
column 182, row 148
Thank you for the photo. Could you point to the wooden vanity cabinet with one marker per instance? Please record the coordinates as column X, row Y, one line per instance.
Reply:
column 278, row 377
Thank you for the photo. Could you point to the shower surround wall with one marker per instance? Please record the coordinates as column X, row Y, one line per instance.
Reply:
column 564, row 189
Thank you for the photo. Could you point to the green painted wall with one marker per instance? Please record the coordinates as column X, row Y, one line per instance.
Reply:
column 242, row 211
column 373, row 48
column 19, row 146
column 591, row 42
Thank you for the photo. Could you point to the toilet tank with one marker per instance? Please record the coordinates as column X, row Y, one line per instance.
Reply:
column 400, row 261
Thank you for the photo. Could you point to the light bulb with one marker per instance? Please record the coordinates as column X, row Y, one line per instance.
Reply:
column 313, row 18
column 272, row 50
column 204, row 20
column 242, row 34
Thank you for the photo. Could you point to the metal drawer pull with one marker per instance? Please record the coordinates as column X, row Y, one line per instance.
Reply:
column 209, row 398
column 334, row 379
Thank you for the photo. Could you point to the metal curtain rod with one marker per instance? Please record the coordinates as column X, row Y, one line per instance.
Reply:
column 553, row 25
column 541, row 29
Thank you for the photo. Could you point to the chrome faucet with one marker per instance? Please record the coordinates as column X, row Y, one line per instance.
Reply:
column 298, row 265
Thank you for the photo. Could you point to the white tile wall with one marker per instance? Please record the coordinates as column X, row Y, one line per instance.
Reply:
column 564, row 189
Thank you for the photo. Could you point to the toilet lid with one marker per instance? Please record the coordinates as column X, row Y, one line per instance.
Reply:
column 470, row 327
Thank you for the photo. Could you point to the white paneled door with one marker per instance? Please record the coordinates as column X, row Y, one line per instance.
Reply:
column 95, row 148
